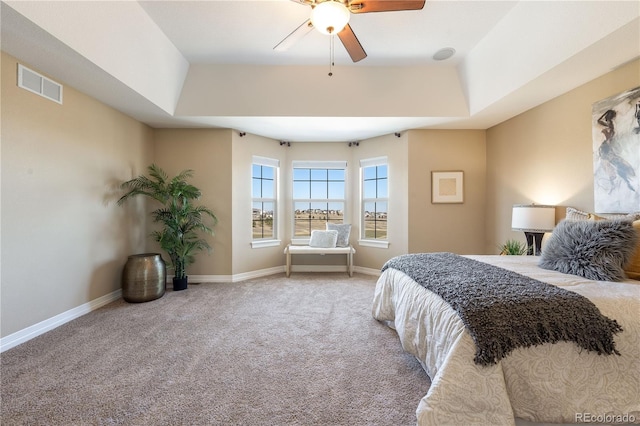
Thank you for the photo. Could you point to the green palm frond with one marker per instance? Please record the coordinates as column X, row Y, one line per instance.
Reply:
column 513, row 247
column 156, row 172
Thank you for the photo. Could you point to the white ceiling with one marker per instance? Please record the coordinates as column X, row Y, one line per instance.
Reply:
column 212, row 63
column 245, row 32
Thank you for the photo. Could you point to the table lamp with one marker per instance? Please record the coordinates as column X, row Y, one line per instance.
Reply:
column 534, row 220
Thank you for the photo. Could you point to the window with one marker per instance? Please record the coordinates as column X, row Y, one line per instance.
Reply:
column 375, row 199
column 318, row 195
column 264, row 173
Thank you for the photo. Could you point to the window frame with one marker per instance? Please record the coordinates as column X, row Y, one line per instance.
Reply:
column 275, row 165
column 367, row 163
column 318, row 165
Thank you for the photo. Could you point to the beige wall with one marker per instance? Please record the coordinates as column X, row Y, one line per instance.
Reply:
column 457, row 228
column 545, row 155
column 275, row 91
column 245, row 258
column 64, row 240
column 208, row 153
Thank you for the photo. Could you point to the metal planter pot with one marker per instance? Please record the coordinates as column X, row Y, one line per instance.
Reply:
column 144, row 278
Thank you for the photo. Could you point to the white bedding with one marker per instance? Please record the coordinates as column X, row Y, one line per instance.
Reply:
column 557, row 383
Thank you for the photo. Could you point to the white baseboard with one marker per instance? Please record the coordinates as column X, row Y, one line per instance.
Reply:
column 278, row 270
column 42, row 327
column 257, row 274
column 198, row 279
column 235, row 277
column 319, row 268
column 367, row 271
column 275, row 270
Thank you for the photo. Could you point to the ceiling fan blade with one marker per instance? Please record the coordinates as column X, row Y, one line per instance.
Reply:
column 295, row 35
column 365, row 6
column 351, row 43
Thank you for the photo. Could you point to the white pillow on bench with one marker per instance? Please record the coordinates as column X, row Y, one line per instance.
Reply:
column 324, row 239
column 344, row 230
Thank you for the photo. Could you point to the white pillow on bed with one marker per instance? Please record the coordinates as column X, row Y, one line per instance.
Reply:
column 323, row 239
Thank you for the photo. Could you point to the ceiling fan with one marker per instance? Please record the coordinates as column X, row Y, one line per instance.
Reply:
column 332, row 17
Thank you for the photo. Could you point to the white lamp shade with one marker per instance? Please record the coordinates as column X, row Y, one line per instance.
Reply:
column 533, row 218
column 330, row 17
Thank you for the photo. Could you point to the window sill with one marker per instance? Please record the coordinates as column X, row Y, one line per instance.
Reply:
column 265, row 243
column 374, row 243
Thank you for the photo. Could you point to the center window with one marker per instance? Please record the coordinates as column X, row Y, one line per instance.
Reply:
column 318, row 195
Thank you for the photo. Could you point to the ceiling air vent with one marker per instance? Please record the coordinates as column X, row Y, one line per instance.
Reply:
column 39, row 84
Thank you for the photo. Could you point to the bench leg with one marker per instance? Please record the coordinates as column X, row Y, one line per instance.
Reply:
column 350, row 265
column 288, row 267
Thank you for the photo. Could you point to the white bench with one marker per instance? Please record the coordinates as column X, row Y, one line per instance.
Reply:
column 295, row 249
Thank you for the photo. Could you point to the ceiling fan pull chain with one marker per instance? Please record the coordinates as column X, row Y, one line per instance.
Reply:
column 331, row 50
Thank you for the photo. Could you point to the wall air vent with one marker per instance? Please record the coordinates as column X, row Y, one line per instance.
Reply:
column 39, row 84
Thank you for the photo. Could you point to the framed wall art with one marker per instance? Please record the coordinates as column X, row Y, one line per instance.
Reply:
column 615, row 127
column 447, row 187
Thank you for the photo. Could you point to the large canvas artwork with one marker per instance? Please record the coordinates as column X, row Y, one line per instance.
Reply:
column 616, row 153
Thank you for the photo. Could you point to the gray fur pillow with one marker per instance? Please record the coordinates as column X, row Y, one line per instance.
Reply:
column 597, row 250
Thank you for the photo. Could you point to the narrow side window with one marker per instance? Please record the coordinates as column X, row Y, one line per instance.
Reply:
column 264, row 198
column 374, row 199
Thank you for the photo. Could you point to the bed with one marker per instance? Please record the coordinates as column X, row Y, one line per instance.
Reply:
column 547, row 383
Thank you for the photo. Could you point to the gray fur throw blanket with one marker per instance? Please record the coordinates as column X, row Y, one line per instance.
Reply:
column 504, row 310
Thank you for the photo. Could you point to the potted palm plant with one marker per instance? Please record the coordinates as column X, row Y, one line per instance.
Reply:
column 182, row 221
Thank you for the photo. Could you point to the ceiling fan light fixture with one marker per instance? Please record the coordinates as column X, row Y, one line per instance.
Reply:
column 330, row 17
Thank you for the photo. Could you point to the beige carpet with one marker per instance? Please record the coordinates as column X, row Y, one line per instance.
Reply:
column 268, row 351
